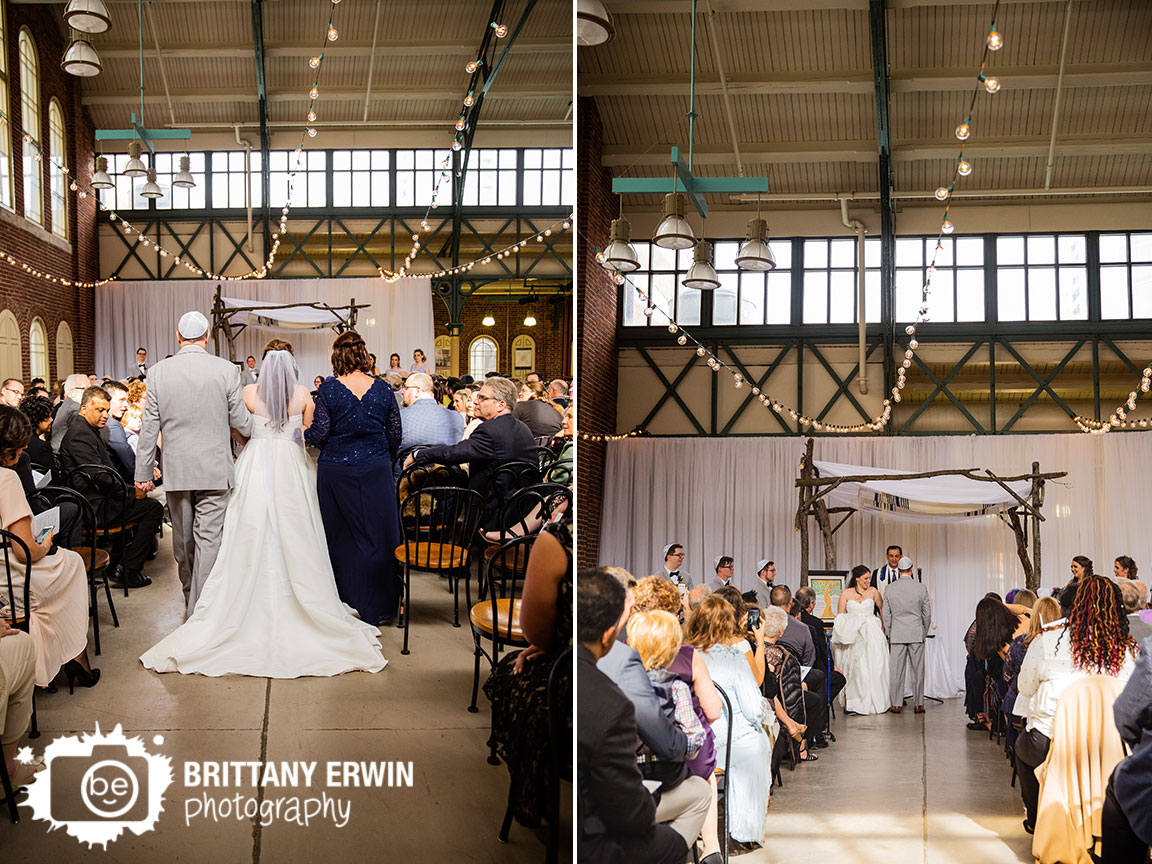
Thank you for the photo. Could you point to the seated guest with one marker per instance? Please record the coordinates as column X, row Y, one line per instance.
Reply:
column 1044, row 612
column 783, row 688
column 122, row 456
column 997, row 624
column 796, row 635
column 1126, row 819
column 657, row 593
column 683, row 798
column 1135, row 597
column 1093, row 640
column 499, row 440
column 462, row 402
column 17, row 673
column 424, row 420
column 518, row 684
column 137, row 394
column 558, row 393
column 617, row 815
column 38, row 410
column 114, row 502
column 715, row 632
column 836, row 681
column 537, row 411
column 753, row 653
column 74, row 387
column 562, row 472
column 696, row 595
column 58, row 618
column 11, row 392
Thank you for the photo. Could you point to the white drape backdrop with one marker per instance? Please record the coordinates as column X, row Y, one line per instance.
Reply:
column 144, row 313
column 736, row 496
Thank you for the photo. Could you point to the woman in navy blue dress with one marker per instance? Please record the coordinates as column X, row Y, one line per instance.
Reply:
column 356, row 426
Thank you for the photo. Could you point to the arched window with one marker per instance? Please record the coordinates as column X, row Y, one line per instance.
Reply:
column 5, row 128
column 11, row 357
column 57, row 178
column 38, row 350
column 443, row 349
column 64, row 362
column 483, row 357
column 523, row 355
column 30, row 115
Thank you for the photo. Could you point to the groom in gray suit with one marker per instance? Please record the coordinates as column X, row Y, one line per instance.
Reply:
column 193, row 399
column 907, row 618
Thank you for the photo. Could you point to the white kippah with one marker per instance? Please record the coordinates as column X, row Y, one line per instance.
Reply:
column 905, row 563
column 716, row 561
column 760, row 565
column 670, row 547
column 192, row 325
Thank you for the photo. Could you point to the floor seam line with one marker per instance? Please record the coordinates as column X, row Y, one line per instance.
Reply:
column 257, row 828
column 924, row 781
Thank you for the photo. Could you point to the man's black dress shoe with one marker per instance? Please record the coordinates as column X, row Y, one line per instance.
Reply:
column 129, row 578
column 819, row 742
column 977, row 726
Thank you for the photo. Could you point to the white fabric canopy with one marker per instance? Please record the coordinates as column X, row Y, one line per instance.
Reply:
column 737, row 496
column 144, row 313
column 291, row 318
column 949, row 496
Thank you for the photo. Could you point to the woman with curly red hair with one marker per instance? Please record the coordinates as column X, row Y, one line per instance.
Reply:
column 1092, row 640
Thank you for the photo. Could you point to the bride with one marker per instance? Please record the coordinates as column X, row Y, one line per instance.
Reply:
column 860, row 647
column 269, row 607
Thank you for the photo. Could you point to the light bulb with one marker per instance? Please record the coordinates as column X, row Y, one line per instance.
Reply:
column 332, row 34
column 672, row 328
column 683, row 340
column 311, row 116
column 992, row 85
column 947, row 227
column 700, row 351
column 311, row 131
column 313, row 93
column 469, row 101
column 314, row 62
column 501, row 31
column 471, row 67
column 995, row 41
column 456, row 145
column 460, row 125
column 941, row 193
column 964, row 168
column 963, row 131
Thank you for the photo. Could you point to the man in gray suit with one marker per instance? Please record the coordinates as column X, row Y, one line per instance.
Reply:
column 907, row 618
column 193, row 399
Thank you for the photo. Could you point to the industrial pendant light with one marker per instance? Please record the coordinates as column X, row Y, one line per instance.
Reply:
column 754, row 253
column 674, row 232
column 101, row 180
column 134, row 168
column 621, row 254
column 81, row 60
column 151, row 190
column 88, row 16
column 702, row 275
column 529, row 321
column 593, row 23
column 184, row 179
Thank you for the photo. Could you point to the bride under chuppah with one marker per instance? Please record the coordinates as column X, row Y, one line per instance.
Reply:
column 860, row 647
column 270, row 608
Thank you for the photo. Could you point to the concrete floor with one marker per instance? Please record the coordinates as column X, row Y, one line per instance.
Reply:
column 415, row 709
column 899, row 789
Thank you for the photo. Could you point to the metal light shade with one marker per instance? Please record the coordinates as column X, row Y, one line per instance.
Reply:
column 529, row 321
column 674, row 232
column 593, row 23
column 81, row 60
column 151, row 190
column 184, row 178
column 620, row 254
column 488, row 321
column 702, row 275
column 88, row 16
column 134, row 168
column 754, row 253
column 101, row 180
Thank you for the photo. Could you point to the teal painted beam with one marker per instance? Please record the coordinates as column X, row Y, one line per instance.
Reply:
column 694, row 187
column 129, row 134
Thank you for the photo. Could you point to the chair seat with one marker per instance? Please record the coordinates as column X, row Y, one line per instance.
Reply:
column 102, row 558
column 432, row 556
column 113, row 529
column 481, row 616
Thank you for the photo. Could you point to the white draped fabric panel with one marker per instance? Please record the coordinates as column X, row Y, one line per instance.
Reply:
column 144, row 313
column 736, row 496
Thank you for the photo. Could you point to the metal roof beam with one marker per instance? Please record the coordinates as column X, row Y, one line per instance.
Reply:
column 345, row 48
column 244, row 94
column 877, row 26
column 262, row 97
column 680, row 7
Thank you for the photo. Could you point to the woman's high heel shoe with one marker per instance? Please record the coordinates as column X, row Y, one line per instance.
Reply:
column 74, row 672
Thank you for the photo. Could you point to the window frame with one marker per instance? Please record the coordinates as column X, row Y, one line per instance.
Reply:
column 476, row 374
column 57, row 178
column 7, row 182
column 30, row 105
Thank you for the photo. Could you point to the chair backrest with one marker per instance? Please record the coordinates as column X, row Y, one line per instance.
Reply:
column 443, row 517
column 103, row 482
column 511, row 476
column 559, row 473
column 543, row 440
column 50, row 496
column 727, row 787
column 545, row 456
column 560, row 714
column 422, row 474
column 529, row 508
column 18, row 614
column 511, row 560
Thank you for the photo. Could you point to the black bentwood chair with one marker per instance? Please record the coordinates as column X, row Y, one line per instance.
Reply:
column 498, row 618
column 111, row 529
column 20, row 620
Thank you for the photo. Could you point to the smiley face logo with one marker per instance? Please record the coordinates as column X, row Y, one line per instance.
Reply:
column 109, row 789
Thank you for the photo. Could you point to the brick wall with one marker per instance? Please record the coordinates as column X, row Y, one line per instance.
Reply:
column 596, row 313
column 26, row 296
column 552, row 332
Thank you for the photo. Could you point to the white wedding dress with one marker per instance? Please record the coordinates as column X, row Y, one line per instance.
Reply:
column 270, row 607
column 861, row 652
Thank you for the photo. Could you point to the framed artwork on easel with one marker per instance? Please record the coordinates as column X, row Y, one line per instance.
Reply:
column 828, row 585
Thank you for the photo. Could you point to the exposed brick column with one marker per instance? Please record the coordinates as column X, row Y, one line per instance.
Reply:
column 596, row 314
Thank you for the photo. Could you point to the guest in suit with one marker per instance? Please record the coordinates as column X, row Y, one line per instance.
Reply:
column 123, row 457
column 907, row 619
column 616, row 815
column 194, row 399
column 765, row 578
column 424, row 420
column 1126, row 819
column 539, row 413
column 252, row 370
column 141, row 371
column 11, row 392
column 836, row 681
column 113, row 502
column 500, row 439
column 558, row 392
column 725, row 567
column 673, row 569
column 1135, row 597
column 74, row 387
column 889, row 572
column 358, row 430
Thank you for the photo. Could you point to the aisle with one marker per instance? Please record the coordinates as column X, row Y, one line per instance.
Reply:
column 899, row 789
column 415, row 709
